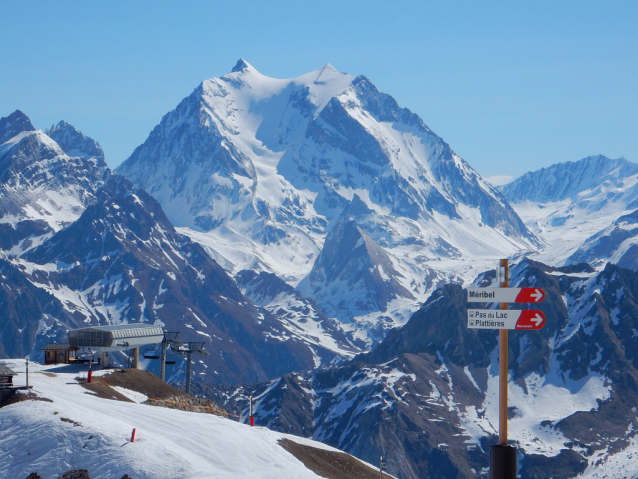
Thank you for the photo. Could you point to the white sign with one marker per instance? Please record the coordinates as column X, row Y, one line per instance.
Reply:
column 505, row 295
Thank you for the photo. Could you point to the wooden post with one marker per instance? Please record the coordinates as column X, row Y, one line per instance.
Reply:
column 502, row 363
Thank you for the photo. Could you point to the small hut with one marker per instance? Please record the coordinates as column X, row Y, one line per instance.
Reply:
column 6, row 377
column 59, row 353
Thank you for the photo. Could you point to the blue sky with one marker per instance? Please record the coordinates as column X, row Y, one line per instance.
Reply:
column 511, row 86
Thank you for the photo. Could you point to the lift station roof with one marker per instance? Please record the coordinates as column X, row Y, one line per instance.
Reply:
column 116, row 337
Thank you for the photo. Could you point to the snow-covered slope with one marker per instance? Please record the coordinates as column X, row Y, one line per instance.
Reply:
column 573, row 205
column 260, row 170
column 69, row 428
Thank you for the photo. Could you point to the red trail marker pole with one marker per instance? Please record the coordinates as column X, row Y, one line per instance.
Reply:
column 252, row 419
column 133, row 435
column 88, row 377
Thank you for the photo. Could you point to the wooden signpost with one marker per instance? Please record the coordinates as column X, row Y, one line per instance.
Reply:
column 502, row 456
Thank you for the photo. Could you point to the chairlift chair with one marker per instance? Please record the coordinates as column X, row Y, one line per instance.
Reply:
column 152, row 354
column 170, row 359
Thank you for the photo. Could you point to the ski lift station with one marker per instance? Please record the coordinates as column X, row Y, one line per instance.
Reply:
column 119, row 337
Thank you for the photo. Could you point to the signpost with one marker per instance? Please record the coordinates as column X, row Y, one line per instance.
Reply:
column 502, row 456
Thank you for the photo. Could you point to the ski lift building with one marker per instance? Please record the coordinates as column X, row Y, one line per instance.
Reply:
column 118, row 337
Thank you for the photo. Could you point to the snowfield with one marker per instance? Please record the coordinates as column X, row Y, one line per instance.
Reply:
column 78, row 430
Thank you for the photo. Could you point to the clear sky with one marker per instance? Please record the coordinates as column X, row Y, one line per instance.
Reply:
column 512, row 86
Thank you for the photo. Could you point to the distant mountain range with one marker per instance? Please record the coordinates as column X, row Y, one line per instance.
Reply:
column 318, row 236
column 582, row 209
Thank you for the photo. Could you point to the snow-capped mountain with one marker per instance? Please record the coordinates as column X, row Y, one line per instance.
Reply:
column 260, row 170
column 109, row 255
column 132, row 266
column 577, row 208
column 426, row 397
column 44, row 186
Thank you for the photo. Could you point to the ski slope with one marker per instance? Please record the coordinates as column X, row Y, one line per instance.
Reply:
column 80, row 431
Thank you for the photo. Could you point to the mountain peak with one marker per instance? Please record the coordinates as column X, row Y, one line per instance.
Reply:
column 326, row 73
column 328, row 68
column 241, row 65
column 15, row 123
column 74, row 142
column 60, row 126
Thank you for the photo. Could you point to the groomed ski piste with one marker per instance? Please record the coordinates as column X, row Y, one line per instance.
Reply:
column 77, row 430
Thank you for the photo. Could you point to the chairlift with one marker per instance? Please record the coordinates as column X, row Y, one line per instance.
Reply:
column 170, row 359
column 152, row 354
column 156, row 354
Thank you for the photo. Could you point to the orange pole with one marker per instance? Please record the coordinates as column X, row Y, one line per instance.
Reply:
column 502, row 366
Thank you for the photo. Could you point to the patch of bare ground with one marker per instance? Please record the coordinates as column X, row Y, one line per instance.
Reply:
column 158, row 392
column 190, row 404
column 72, row 474
column 100, row 388
column 330, row 464
column 143, row 382
column 71, row 421
column 23, row 396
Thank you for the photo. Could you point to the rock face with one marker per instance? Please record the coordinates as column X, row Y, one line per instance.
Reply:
column 262, row 171
column 31, row 316
column 580, row 209
column 14, row 124
column 74, row 142
column 354, row 276
column 426, row 398
column 298, row 315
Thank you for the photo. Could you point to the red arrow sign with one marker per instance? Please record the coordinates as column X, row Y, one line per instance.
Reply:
column 530, row 319
column 530, row 295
